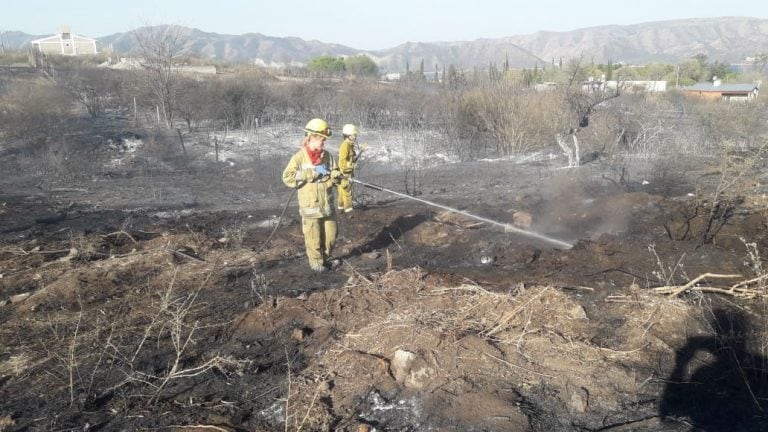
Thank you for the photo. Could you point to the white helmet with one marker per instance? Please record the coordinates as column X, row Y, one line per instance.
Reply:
column 349, row 130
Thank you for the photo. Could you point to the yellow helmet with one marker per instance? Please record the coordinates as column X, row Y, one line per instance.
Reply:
column 349, row 130
column 318, row 127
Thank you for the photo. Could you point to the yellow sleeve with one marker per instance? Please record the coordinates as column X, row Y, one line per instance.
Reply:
column 294, row 176
column 343, row 155
column 289, row 173
column 345, row 158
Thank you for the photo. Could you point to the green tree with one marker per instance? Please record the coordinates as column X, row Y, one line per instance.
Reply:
column 326, row 65
column 719, row 69
column 690, row 72
column 361, row 65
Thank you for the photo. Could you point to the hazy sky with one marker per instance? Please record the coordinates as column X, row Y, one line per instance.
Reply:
column 357, row 24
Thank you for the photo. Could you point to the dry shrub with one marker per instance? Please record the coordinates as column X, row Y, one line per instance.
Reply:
column 742, row 124
column 519, row 119
column 34, row 111
column 365, row 103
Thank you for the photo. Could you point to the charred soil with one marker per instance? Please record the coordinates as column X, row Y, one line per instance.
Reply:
column 128, row 309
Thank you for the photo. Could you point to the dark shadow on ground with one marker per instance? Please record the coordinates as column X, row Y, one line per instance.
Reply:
column 390, row 234
column 727, row 391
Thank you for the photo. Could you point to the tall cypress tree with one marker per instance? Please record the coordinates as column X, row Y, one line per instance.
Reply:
column 609, row 71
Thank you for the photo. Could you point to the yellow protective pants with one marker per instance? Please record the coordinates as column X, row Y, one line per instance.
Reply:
column 345, row 195
column 319, row 238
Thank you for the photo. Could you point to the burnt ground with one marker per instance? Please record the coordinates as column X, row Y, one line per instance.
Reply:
column 144, row 300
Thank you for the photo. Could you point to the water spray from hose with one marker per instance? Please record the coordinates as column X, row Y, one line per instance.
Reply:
column 507, row 227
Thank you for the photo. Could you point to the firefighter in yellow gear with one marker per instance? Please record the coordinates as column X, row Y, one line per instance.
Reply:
column 314, row 173
column 347, row 160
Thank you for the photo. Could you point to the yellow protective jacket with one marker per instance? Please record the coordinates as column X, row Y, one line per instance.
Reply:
column 315, row 191
column 347, row 157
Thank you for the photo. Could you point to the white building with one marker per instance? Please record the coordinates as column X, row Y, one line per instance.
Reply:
column 638, row 86
column 65, row 43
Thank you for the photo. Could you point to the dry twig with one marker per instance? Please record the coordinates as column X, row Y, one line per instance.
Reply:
column 674, row 291
column 123, row 232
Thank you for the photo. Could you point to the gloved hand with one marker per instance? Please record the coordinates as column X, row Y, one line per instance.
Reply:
column 335, row 174
column 363, row 146
column 322, row 170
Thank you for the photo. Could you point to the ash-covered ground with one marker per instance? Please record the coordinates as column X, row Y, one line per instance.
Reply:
column 139, row 292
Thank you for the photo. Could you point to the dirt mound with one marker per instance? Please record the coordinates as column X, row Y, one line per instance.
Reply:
column 187, row 317
column 405, row 351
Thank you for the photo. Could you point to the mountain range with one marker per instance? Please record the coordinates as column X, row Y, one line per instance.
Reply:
column 728, row 39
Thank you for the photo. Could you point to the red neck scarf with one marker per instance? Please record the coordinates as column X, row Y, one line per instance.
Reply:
column 315, row 156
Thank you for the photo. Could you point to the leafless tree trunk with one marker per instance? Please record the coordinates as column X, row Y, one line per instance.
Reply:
column 571, row 153
column 162, row 52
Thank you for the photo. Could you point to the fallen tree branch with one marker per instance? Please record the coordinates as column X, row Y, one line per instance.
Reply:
column 751, row 281
column 674, row 291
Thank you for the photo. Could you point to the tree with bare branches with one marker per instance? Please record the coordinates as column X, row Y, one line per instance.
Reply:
column 161, row 48
column 581, row 101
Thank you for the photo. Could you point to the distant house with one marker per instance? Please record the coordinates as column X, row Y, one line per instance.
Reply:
column 716, row 90
column 638, row 86
column 593, row 85
column 65, row 43
column 392, row 76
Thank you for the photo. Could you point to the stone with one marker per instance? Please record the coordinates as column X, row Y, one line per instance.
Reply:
column 579, row 401
column 400, row 364
column 420, row 375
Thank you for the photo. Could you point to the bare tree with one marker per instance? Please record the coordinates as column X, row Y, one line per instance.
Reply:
column 161, row 48
column 581, row 100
